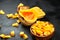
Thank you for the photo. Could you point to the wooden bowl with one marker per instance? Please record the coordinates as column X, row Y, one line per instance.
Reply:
column 36, row 37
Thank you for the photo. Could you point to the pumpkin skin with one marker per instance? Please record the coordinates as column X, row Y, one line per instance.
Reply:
column 39, row 12
column 29, row 15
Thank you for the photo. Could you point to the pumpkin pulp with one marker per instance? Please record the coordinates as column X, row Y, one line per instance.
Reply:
column 28, row 15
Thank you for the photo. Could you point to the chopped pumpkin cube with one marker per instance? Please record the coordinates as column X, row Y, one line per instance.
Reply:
column 2, row 12
column 16, row 14
column 9, row 15
column 2, row 35
column 14, row 17
column 25, row 36
column 12, row 33
column 39, row 32
column 15, row 24
column 5, row 36
column 34, row 31
column 47, row 33
column 18, row 21
column 21, row 34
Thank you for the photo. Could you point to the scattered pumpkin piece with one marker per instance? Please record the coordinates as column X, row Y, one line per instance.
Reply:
column 23, row 35
column 12, row 33
column 15, row 24
column 9, row 15
column 18, row 21
column 2, row 12
column 14, row 17
column 16, row 14
column 5, row 36
column 2, row 35
column 8, row 36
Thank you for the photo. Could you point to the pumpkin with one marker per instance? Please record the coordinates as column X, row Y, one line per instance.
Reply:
column 29, row 15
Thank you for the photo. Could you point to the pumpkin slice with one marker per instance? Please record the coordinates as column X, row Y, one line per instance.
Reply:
column 39, row 12
column 28, row 15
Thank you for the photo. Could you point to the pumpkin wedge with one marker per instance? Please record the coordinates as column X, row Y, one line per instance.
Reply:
column 39, row 12
column 28, row 15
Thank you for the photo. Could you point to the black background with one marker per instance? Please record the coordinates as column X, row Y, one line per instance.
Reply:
column 50, row 7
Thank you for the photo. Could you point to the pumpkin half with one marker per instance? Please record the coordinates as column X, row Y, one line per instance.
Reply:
column 28, row 15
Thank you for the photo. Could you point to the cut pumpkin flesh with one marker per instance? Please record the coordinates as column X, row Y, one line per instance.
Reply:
column 32, row 14
column 28, row 15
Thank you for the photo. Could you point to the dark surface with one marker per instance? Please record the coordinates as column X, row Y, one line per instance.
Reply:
column 9, row 6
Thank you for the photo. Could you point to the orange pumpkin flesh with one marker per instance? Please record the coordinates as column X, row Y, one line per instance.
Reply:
column 28, row 15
